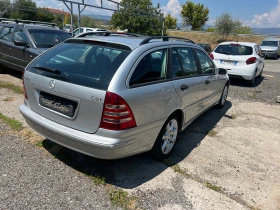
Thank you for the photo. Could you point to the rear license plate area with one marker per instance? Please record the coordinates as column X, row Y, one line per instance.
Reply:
column 58, row 104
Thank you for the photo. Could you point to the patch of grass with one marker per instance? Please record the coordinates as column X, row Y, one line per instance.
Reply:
column 121, row 198
column 213, row 187
column 233, row 116
column 167, row 162
column 15, row 88
column 257, row 91
column 177, row 169
column 98, row 180
column 212, row 133
column 9, row 99
column 14, row 124
column 39, row 144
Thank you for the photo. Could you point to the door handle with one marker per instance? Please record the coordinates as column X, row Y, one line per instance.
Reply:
column 184, row 87
column 207, row 82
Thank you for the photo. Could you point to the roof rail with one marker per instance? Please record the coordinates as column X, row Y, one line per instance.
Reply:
column 165, row 39
column 108, row 33
column 28, row 22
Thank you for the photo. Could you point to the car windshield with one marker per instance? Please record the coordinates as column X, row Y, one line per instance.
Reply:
column 82, row 63
column 48, row 38
column 269, row 43
column 234, row 49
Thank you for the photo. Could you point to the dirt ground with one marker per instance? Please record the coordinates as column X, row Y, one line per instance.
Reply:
column 226, row 159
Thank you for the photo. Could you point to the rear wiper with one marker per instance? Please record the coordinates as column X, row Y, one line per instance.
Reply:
column 55, row 71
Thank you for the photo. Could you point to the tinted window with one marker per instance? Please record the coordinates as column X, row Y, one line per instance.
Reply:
column 6, row 33
column 207, row 66
column 234, row 49
column 269, row 43
column 19, row 35
column 183, row 62
column 82, row 64
column 47, row 38
column 151, row 68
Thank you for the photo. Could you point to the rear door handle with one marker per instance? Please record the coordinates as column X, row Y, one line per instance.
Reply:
column 184, row 87
column 207, row 82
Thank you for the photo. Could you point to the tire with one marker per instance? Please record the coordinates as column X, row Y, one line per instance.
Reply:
column 260, row 75
column 223, row 98
column 166, row 139
column 252, row 81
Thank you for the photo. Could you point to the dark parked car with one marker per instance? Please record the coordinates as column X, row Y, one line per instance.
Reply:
column 22, row 41
column 206, row 47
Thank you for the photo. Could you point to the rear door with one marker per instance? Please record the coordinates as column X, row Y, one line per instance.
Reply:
column 187, row 81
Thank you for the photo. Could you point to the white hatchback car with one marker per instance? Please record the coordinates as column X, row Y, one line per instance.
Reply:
column 241, row 59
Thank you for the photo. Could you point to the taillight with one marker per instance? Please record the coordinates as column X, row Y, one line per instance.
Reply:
column 251, row 60
column 23, row 87
column 212, row 56
column 116, row 114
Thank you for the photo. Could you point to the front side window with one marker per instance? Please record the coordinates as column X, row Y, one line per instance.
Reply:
column 206, row 64
column 48, row 38
column 183, row 62
column 79, row 63
column 151, row 68
column 6, row 33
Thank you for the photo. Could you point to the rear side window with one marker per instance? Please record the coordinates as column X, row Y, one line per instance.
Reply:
column 6, row 33
column 151, row 68
column 234, row 49
column 82, row 64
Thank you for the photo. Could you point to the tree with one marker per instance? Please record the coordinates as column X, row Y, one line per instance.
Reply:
column 244, row 30
column 170, row 22
column 225, row 25
column 4, row 7
column 138, row 16
column 87, row 21
column 24, row 9
column 194, row 15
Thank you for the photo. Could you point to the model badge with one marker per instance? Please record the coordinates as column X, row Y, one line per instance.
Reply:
column 52, row 84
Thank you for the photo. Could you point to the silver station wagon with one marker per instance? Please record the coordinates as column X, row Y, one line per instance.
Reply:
column 112, row 97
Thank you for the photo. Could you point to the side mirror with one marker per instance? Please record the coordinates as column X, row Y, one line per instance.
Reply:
column 20, row 43
column 222, row 71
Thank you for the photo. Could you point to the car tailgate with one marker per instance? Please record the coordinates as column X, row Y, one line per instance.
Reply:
column 69, row 104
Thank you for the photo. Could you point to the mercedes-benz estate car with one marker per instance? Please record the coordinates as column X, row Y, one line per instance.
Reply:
column 241, row 59
column 22, row 41
column 112, row 97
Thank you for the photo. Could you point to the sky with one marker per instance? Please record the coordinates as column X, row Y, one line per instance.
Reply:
column 253, row 13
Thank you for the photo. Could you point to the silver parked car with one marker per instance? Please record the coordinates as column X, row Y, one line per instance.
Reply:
column 112, row 97
column 270, row 47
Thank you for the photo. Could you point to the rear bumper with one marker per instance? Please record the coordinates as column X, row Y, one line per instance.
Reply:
column 245, row 72
column 90, row 144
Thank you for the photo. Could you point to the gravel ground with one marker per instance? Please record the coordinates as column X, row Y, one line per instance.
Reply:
column 54, row 177
column 266, row 88
column 30, row 179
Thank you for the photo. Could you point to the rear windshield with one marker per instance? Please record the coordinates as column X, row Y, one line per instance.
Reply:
column 269, row 43
column 234, row 49
column 82, row 64
column 48, row 38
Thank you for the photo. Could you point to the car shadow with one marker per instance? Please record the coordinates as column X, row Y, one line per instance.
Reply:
column 11, row 72
column 131, row 172
column 243, row 83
